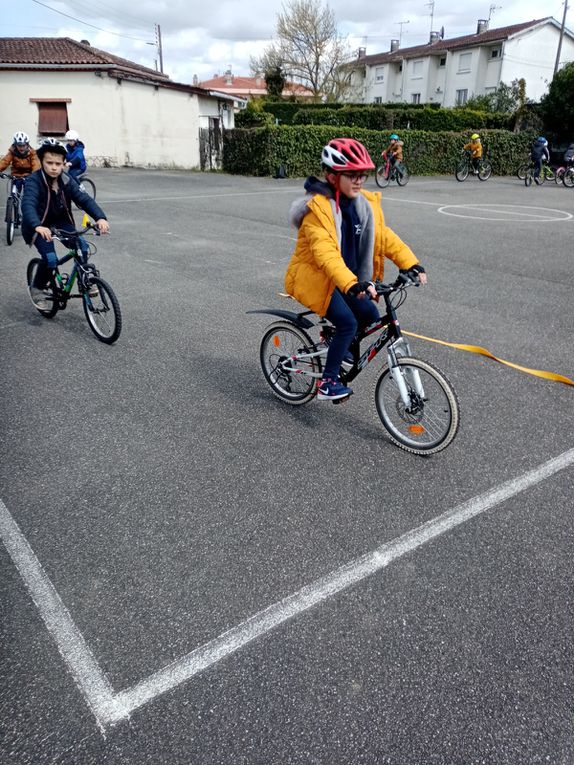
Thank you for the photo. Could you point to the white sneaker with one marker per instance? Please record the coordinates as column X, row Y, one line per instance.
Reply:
column 39, row 298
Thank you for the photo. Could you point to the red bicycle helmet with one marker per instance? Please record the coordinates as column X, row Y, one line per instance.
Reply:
column 346, row 154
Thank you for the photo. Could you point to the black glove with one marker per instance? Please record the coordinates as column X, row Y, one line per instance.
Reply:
column 412, row 273
column 359, row 287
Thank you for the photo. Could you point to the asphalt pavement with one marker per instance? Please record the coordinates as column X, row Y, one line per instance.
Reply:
column 194, row 572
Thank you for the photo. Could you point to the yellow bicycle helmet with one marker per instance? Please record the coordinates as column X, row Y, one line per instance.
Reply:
column 474, row 136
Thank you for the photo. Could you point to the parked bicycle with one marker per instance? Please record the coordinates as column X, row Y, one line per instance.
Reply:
column 465, row 167
column 13, row 216
column 101, row 306
column 414, row 400
column 388, row 172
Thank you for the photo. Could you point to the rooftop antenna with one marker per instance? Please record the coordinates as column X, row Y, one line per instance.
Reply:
column 492, row 9
column 401, row 25
column 431, row 6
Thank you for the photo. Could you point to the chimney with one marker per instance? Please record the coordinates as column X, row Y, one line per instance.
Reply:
column 362, row 53
column 228, row 77
column 394, row 45
column 434, row 37
column 482, row 26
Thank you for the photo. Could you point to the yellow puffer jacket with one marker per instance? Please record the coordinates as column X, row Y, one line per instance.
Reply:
column 317, row 267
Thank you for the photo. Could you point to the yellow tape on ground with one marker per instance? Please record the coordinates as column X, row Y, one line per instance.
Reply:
column 488, row 354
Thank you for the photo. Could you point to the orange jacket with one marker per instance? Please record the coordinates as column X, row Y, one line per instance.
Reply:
column 395, row 149
column 21, row 166
column 475, row 148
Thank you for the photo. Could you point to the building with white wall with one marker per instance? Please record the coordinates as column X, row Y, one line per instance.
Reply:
column 449, row 72
column 126, row 114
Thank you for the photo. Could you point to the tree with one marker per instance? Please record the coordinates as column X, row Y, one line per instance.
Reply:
column 275, row 81
column 309, row 49
column 557, row 106
column 506, row 98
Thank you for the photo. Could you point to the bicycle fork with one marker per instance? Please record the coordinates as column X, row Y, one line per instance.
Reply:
column 403, row 375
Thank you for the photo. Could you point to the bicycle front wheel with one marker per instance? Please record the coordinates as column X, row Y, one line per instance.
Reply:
column 484, row 171
column 290, row 372
column 403, row 175
column 461, row 171
column 44, row 298
column 102, row 311
column 522, row 170
column 430, row 421
column 568, row 177
column 10, row 219
column 382, row 176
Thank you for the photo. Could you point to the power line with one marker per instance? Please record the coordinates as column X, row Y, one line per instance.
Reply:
column 85, row 23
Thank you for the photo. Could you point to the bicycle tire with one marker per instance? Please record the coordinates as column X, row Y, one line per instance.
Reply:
column 10, row 219
column 88, row 186
column 103, row 312
column 462, row 169
column 559, row 175
column 484, row 171
column 568, row 177
column 528, row 178
column 403, row 176
column 522, row 170
column 50, row 292
column 382, row 178
column 281, row 341
column 435, row 419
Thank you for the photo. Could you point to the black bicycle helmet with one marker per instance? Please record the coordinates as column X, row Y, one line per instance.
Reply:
column 51, row 145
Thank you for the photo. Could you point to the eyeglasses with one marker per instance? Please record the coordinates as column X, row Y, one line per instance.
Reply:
column 356, row 177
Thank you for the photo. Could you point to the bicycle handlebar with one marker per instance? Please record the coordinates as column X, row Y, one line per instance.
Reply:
column 60, row 233
column 401, row 282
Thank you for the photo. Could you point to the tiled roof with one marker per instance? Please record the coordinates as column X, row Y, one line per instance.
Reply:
column 62, row 52
column 443, row 46
column 230, row 83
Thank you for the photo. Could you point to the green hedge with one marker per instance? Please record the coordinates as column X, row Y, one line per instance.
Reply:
column 385, row 118
column 261, row 151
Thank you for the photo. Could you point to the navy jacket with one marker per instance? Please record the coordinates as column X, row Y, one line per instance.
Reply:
column 76, row 156
column 36, row 201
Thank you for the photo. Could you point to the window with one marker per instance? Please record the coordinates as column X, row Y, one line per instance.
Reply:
column 461, row 96
column 464, row 62
column 442, row 61
column 52, row 116
column 415, row 98
column 495, row 52
column 378, row 100
column 417, row 69
column 380, row 74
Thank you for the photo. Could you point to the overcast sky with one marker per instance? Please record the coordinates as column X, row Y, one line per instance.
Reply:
column 204, row 39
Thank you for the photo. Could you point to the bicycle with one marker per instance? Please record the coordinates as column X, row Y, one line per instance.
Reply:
column 101, row 306
column 546, row 174
column 13, row 216
column 464, row 166
column 414, row 400
column 386, row 173
column 86, row 184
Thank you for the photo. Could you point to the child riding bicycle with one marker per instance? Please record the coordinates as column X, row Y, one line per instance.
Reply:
column 474, row 146
column 47, row 203
column 394, row 151
column 342, row 242
column 539, row 154
column 23, row 159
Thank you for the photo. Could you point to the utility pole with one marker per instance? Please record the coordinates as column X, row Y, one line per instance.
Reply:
column 159, row 50
column 559, row 51
column 401, row 25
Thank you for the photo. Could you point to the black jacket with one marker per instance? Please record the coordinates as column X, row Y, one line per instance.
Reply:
column 36, row 201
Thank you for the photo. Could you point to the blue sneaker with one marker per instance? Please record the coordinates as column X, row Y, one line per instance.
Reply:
column 333, row 390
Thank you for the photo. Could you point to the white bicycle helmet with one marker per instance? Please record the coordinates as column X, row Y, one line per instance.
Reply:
column 72, row 135
column 21, row 137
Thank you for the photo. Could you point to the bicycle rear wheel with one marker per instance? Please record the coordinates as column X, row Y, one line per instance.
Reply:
column 290, row 378
column 403, row 175
column 103, row 311
column 431, row 421
column 44, row 299
column 10, row 219
column 461, row 172
column 568, row 177
column 88, row 186
column 484, row 171
column 382, row 176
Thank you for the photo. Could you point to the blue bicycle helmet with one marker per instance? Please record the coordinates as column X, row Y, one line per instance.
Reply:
column 394, row 137
column 543, row 140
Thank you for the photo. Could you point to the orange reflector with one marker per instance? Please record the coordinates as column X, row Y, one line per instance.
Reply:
column 417, row 430
column 276, row 341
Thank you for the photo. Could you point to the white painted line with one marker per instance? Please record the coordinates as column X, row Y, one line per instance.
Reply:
column 84, row 668
column 110, row 709
column 348, row 575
